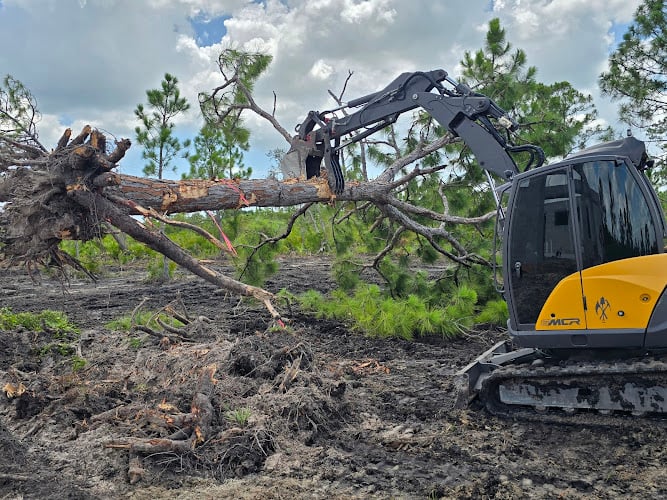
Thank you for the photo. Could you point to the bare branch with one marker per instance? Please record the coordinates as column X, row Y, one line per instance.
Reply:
column 288, row 230
column 390, row 246
column 390, row 173
column 451, row 219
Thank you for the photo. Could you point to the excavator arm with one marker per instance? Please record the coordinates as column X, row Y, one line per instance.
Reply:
column 475, row 118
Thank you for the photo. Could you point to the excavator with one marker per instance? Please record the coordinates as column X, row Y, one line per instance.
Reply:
column 581, row 245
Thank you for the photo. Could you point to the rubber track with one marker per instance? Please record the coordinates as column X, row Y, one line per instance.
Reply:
column 651, row 369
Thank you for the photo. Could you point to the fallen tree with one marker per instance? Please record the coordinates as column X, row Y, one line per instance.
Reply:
column 57, row 196
column 72, row 192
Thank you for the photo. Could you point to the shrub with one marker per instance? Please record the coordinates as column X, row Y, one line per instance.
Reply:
column 370, row 311
column 55, row 322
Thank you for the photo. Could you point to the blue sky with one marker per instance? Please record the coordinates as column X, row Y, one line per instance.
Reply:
column 208, row 31
column 91, row 61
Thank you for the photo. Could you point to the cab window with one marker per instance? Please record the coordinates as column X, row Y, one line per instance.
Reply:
column 615, row 217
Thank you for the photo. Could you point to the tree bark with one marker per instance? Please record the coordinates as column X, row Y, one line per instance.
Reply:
column 195, row 195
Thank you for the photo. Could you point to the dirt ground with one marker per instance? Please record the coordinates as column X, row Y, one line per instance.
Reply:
column 316, row 412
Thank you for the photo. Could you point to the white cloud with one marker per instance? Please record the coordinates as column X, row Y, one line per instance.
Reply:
column 321, row 70
column 93, row 60
column 373, row 12
column 565, row 39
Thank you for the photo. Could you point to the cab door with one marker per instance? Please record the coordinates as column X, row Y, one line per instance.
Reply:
column 617, row 223
column 540, row 253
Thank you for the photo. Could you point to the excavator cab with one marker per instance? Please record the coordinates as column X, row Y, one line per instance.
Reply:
column 585, row 272
column 583, row 253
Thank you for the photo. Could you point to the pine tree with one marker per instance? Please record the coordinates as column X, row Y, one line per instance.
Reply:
column 156, row 133
column 555, row 116
column 218, row 153
column 637, row 75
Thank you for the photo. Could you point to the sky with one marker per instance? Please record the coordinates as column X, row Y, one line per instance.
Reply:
column 91, row 61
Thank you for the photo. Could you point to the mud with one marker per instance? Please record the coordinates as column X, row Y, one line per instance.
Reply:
column 315, row 412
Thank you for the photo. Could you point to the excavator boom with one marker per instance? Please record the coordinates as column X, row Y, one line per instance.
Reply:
column 475, row 118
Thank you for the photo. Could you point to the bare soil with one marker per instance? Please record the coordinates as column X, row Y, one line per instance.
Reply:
column 330, row 413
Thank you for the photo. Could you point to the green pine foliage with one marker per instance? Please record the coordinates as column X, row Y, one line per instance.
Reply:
column 156, row 132
column 636, row 77
column 18, row 112
column 345, row 271
column 494, row 313
column 637, row 69
column 368, row 310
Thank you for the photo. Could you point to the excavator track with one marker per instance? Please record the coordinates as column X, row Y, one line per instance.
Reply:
column 610, row 393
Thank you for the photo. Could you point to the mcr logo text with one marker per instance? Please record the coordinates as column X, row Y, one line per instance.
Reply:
column 561, row 322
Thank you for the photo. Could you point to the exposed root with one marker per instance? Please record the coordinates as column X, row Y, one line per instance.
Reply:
column 189, row 430
column 59, row 197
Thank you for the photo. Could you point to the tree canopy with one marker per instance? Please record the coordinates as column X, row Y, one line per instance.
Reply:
column 637, row 74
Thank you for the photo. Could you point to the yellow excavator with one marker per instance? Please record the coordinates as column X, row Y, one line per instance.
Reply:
column 582, row 244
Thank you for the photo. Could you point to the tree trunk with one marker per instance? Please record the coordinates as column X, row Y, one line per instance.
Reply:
column 195, row 195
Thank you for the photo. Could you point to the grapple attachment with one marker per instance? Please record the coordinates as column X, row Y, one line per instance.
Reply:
column 304, row 159
column 295, row 162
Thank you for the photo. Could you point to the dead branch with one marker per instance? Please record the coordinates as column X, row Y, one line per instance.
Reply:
column 192, row 429
column 288, row 230
column 169, row 333
column 152, row 214
column 183, row 318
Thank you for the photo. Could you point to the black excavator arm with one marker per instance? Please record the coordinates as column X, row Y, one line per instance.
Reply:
column 471, row 116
